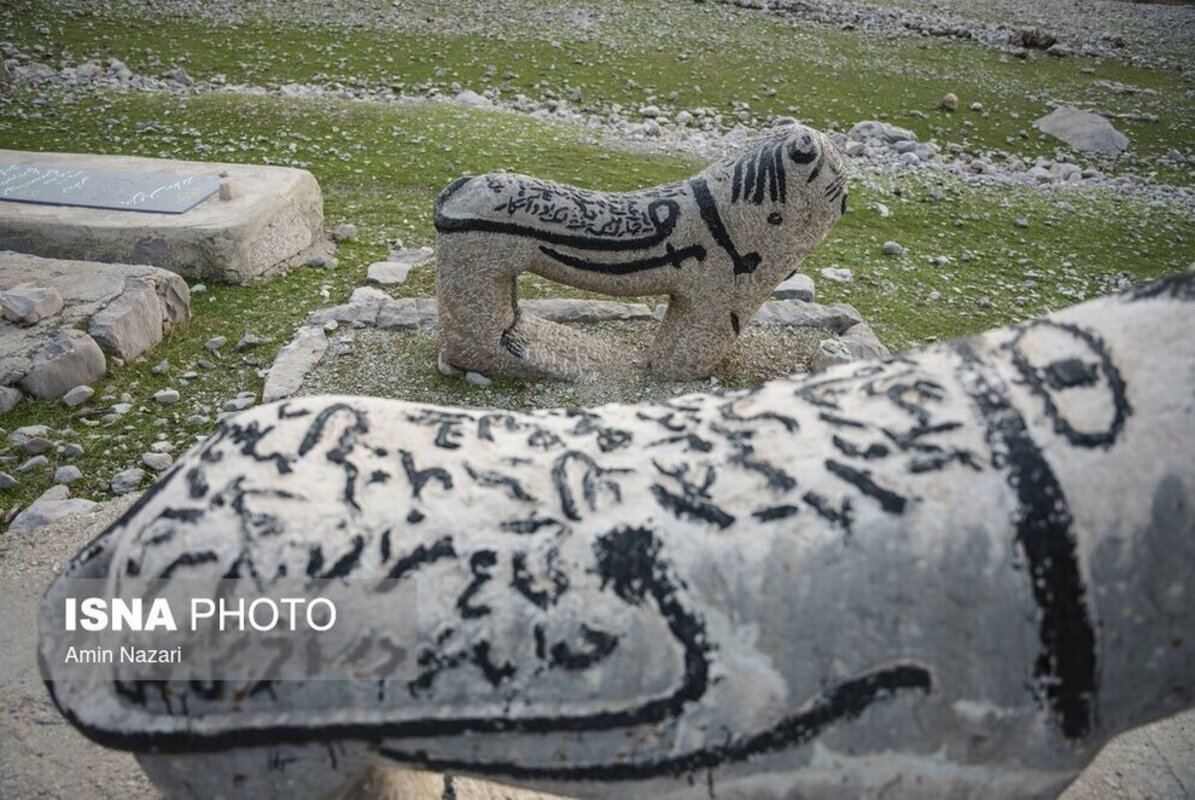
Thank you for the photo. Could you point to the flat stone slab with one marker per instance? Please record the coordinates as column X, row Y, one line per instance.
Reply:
column 273, row 215
column 156, row 193
column 121, row 309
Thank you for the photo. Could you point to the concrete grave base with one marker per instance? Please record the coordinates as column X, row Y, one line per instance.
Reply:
column 274, row 215
column 121, row 309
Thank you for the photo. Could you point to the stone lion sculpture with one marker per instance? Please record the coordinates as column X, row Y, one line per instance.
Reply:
column 717, row 244
column 955, row 572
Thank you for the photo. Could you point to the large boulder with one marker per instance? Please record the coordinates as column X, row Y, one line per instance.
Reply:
column 1083, row 130
column 132, row 323
column 68, row 359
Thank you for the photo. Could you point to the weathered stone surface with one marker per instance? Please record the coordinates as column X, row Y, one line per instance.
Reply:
column 874, row 129
column 54, row 504
column 803, row 564
column 862, row 343
column 28, row 304
column 126, row 298
column 78, row 396
column 717, row 245
column 127, row 480
column 9, row 397
column 131, row 324
column 829, row 353
column 796, row 287
column 275, row 214
column 837, row 317
column 407, row 314
column 396, row 268
column 1083, row 130
column 66, row 360
column 68, row 473
column 294, row 361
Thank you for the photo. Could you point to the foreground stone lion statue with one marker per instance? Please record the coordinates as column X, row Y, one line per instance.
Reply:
column 956, row 572
column 716, row 244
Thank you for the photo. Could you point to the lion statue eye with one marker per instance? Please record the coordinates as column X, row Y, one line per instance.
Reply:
column 775, row 218
column 803, row 150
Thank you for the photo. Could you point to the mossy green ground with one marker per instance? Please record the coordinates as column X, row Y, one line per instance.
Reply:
column 381, row 165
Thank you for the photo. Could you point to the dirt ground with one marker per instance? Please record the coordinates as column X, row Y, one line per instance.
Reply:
column 42, row 757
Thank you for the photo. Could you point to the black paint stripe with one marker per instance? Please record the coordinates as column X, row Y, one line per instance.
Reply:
column 673, row 257
column 664, row 227
column 713, row 221
column 1066, row 665
column 843, row 703
column 890, row 501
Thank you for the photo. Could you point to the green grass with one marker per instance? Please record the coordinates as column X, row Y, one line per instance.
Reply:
column 381, row 165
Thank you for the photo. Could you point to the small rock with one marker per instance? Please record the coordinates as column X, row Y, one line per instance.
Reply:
column 158, row 462
column 477, row 379
column 27, row 432
column 331, row 325
column 977, row 106
column 326, row 262
column 830, row 352
column 7, row 481
column 796, row 287
column 36, row 445
column 161, row 368
column 949, row 102
column 934, row 296
column 240, row 403
column 127, row 481
column 120, row 409
column 1022, row 222
column 37, row 462
column 54, row 504
column 199, row 288
column 650, row 112
column 72, row 451
column 167, row 396
column 1083, row 130
column 28, row 304
column 215, row 343
column 250, row 340
column 836, row 274
column 471, row 98
column 78, row 396
column 9, row 397
column 882, row 210
column 67, row 474
column 388, row 273
column 345, row 232
column 893, row 249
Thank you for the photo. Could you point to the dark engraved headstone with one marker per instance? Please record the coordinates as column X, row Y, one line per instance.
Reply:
column 154, row 192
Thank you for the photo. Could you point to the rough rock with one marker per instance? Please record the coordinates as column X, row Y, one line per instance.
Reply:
column 408, row 313
column 949, row 102
column 167, row 397
column 131, row 324
column 127, row 480
column 66, row 360
column 344, row 232
column 471, row 98
column 1083, row 130
column 78, row 396
column 837, row 317
column 837, row 274
column 830, row 352
column 37, row 462
column 158, row 462
column 797, row 286
column 9, row 397
column 584, row 311
column 54, row 504
column 388, row 273
column 874, row 129
column 67, row 473
column 294, row 361
column 28, row 304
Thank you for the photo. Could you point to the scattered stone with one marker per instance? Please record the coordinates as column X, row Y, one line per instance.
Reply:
column 250, row 340
column 199, row 288
column 477, row 379
column 977, row 106
column 344, row 232
column 830, row 352
column 1032, row 38
column 1022, row 222
column 37, row 462
column 471, row 98
column 120, row 409
column 54, row 504
column 1083, row 130
column 240, row 403
column 325, row 262
column 649, row 112
column 68, row 359
column 949, row 102
column 836, row 274
column 294, row 361
column 78, row 396
column 167, row 396
column 127, row 480
column 68, row 473
column 882, row 210
column 9, row 397
column 161, row 368
column 130, row 324
column 797, row 286
column 893, row 249
column 215, row 343
column 23, row 434
column 37, row 445
column 7, row 481
column 874, row 129
column 388, row 273
column 27, row 304
column 158, row 462
column 72, row 451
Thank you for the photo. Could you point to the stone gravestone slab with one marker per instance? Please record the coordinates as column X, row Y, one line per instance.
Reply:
column 104, row 188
